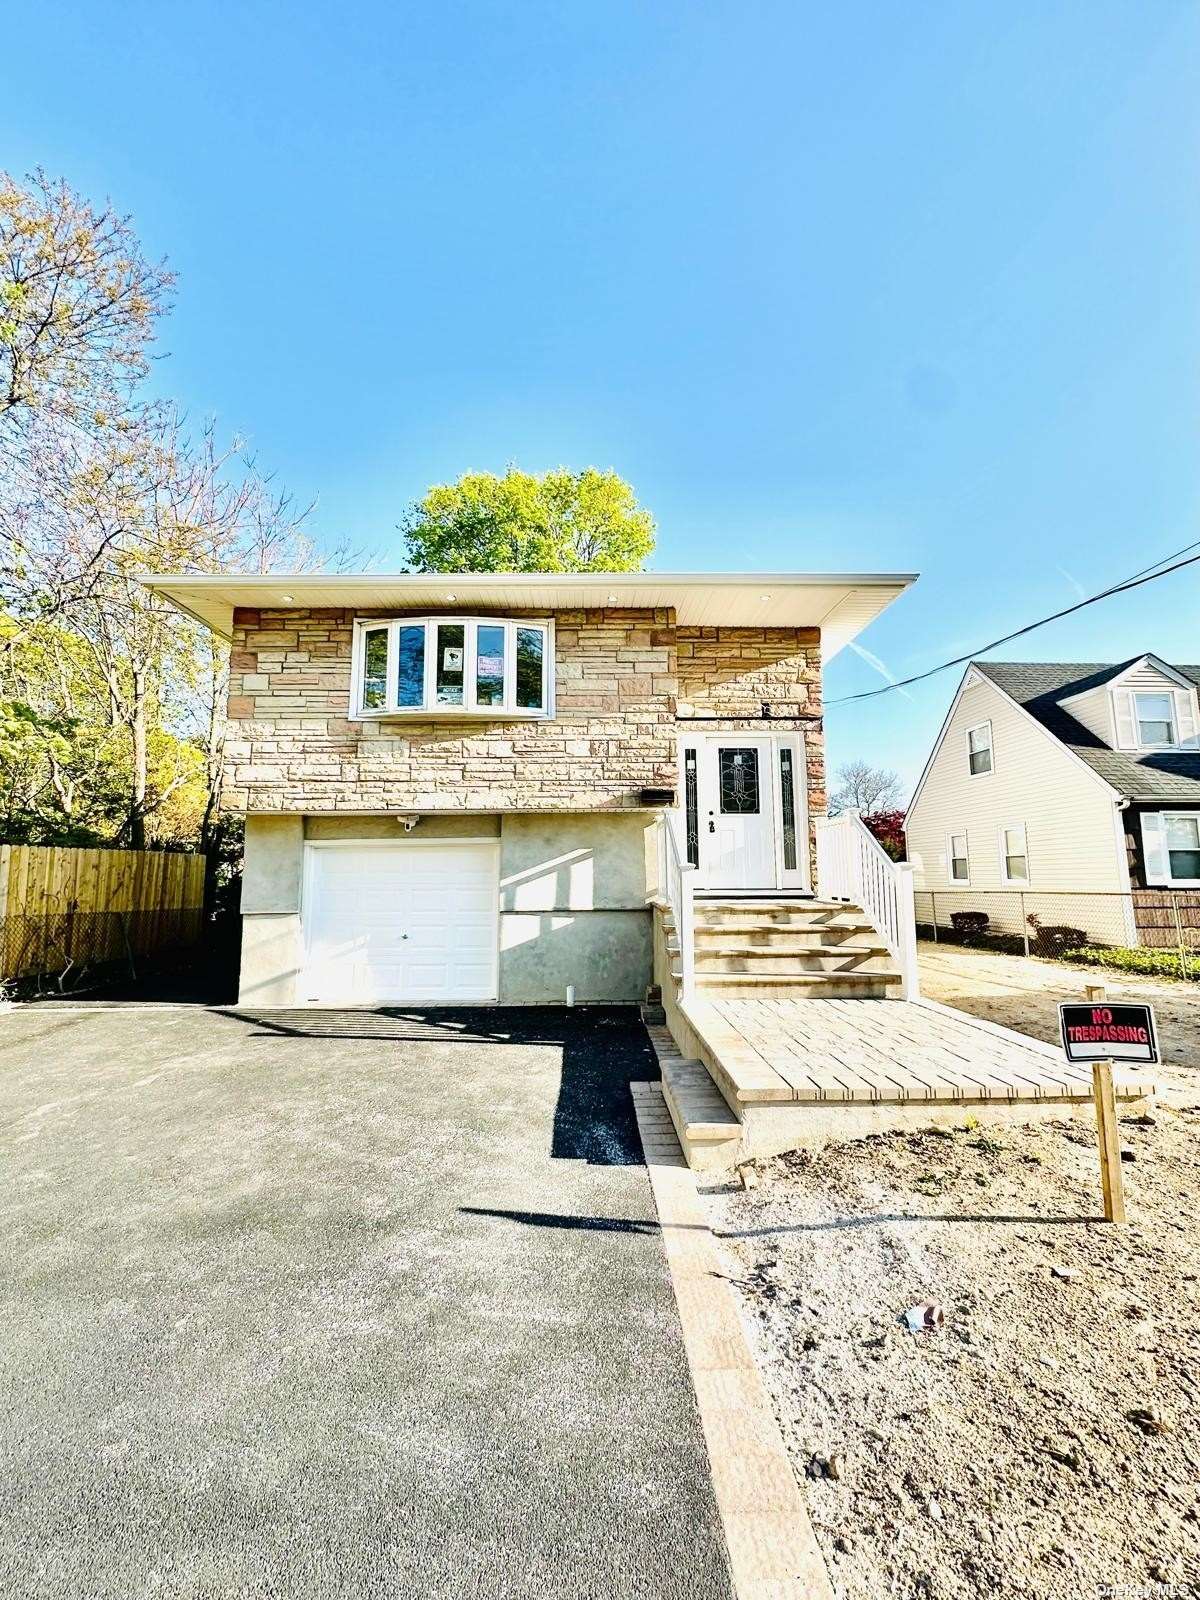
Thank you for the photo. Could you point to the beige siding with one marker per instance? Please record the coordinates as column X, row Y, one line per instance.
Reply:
column 1094, row 712
column 1068, row 816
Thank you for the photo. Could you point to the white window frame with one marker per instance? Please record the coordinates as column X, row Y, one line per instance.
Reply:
column 991, row 748
column 430, row 709
column 959, row 833
column 1013, row 827
column 1172, row 881
column 1173, row 719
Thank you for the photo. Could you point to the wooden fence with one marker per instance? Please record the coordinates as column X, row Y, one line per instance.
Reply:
column 64, row 909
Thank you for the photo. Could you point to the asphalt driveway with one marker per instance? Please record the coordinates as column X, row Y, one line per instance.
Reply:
column 317, row 1304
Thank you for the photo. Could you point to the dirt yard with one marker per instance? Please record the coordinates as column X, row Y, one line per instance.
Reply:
column 1043, row 1444
column 1024, row 994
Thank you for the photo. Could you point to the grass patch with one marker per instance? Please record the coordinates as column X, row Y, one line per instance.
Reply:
column 1149, row 963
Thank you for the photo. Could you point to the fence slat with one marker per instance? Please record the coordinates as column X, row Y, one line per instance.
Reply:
column 62, row 906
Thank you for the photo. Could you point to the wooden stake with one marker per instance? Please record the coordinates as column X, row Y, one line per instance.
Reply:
column 1111, row 1179
column 1110, row 1144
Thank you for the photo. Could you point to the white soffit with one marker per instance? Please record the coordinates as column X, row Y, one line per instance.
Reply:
column 841, row 604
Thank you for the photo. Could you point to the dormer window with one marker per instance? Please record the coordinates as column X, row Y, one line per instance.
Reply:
column 452, row 667
column 1155, row 718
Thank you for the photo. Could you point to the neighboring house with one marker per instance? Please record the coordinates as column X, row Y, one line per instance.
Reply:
column 452, row 784
column 1066, row 780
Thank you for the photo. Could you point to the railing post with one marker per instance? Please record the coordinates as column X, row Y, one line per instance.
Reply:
column 687, row 935
column 906, row 916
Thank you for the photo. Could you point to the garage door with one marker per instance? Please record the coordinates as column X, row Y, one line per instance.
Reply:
column 396, row 922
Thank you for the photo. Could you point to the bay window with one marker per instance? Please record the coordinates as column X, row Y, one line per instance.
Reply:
column 452, row 667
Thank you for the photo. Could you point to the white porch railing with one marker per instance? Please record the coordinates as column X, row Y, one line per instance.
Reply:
column 677, row 881
column 852, row 865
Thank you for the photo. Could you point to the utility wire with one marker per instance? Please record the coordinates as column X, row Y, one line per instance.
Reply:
column 1145, row 575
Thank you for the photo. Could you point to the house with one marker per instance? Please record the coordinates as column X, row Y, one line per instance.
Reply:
column 453, row 783
column 1070, row 791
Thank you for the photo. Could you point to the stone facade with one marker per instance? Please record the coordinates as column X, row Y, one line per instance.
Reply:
column 624, row 679
column 739, row 678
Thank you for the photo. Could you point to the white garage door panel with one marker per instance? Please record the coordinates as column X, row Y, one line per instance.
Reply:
column 400, row 923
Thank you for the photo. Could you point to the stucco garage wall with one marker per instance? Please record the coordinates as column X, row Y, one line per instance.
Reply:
column 574, row 906
column 573, row 899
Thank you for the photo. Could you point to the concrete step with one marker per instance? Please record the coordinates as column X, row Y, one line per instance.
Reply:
column 808, row 915
column 781, row 959
column 798, row 985
column 786, row 935
column 708, row 1131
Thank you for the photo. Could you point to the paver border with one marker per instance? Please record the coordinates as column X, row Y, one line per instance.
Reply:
column 769, row 1539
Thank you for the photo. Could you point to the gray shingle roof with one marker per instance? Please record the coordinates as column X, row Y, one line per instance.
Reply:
column 1041, row 686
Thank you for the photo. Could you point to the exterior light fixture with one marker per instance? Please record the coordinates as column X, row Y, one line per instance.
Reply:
column 452, row 597
column 287, row 598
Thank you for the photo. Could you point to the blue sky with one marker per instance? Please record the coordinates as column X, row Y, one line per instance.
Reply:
column 873, row 286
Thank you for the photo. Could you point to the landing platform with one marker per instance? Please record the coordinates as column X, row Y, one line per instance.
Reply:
column 881, row 1052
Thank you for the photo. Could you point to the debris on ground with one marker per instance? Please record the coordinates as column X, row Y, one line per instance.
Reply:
column 1039, row 1445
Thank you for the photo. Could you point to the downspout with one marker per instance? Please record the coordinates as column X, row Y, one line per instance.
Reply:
column 1129, row 917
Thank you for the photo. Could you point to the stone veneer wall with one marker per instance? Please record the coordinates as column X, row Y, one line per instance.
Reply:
column 292, row 748
column 730, row 674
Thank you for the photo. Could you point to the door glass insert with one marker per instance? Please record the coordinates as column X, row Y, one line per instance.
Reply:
column 410, row 665
column 451, row 649
column 691, row 806
column 739, row 782
column 787, row 790
column 489, row 666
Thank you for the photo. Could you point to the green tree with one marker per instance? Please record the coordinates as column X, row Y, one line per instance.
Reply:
column 558, row 521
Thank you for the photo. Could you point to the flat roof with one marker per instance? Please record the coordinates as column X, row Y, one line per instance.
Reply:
column 841, row 604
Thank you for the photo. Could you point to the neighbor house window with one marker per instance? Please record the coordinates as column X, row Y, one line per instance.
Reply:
column 979, row 749
column 1182, row 830
column 1155, row 715
column 452, row 667
column 960, row 869
column 1014, row 855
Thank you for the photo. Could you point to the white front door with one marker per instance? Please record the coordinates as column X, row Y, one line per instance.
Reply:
column 400, row 922
column 746, row 810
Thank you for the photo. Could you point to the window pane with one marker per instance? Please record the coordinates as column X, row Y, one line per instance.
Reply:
column 1015, row 868
column 374, row 692
column 958, row 856
column 531, row 643
column 739, row 782
column 1185, row 864
column 410, row 667
column 1183, row 833
column 787, row 787
column 1156, row 718
column 979, row 747
column 452, row 638
column 489, row 665
column 691, row 807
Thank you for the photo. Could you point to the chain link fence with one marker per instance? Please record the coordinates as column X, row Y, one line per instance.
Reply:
column 1151, row 930
column 66, row 950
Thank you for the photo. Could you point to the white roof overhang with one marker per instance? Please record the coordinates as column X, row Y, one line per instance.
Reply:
column 841, row 604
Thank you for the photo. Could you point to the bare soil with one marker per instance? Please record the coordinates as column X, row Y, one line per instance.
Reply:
column 1044, row 1442
column 1024, row 994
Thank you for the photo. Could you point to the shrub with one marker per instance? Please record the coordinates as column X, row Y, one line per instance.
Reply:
column 970, row 925
column 1150, row 963
column 888, row 828
column 1052, row 939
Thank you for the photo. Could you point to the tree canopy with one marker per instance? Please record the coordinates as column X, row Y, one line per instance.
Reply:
column 559, row 521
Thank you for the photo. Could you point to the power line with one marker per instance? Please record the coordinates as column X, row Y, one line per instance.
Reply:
column 1145, row 575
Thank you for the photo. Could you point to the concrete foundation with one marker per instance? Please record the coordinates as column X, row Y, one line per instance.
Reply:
column 573, row 899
